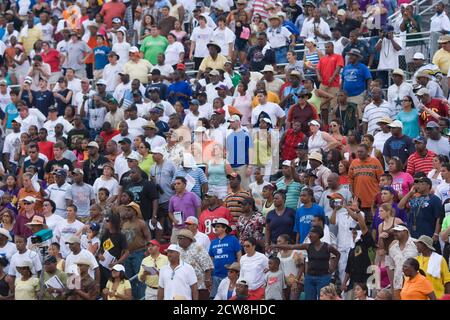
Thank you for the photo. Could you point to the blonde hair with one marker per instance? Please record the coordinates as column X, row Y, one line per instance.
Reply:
column 388, row 208
column 329, row 290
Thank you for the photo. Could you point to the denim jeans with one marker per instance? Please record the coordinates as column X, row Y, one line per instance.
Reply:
column 215, row 285
column 313, row 284
column 280, row 54
column 132, row 266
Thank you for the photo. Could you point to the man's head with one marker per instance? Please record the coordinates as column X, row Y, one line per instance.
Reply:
column 180, row 184
column 401, row 232
column 261, row 39
column 362, row 152
column 433, row 131
column 173, row 253
column 78, row 175
column 306, row 195
column 329, row 48
column 423, row 185
column 234, row 179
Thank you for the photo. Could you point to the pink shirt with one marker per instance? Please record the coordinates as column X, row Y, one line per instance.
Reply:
column 402, row 182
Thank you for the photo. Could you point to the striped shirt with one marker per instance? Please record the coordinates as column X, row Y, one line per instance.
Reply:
column 198, row 175
column 231, row 202
column 292, row 192
column 259, row 7
column 417, row 163
column 373, row 113
column 238, row 144
column 313, row 58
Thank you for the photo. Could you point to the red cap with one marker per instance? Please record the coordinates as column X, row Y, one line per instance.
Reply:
column 220, row 111
column 154, row 242
column 181, row 66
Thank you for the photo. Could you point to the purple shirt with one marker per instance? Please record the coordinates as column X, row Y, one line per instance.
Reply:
column 187, row 204
column 383, row 17
column 399, row 213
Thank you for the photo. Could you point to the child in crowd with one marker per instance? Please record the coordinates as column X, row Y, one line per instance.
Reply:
column 275, row 284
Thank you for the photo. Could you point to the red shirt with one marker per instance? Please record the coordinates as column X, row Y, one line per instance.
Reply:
column 47, row 149
column 207, row 218
column 112, row 10
column 107, row 136
column 52, row 58
column 417, row 163
column 438, row 106
column 326, row 67
column 291, row 141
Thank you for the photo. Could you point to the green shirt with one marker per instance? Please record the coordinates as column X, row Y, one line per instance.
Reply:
column 62, row 276
column 445, row 223
column 152, row 46
column 292, row 192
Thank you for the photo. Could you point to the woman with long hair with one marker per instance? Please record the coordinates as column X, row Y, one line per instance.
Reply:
column 178, row 31
column 335, row 131
column 253, row 265
column 318, row 97
column 11, row 188
column 63, row 96
column 344, row 181
column 409, row 116
column 435, row 173
column 147, row 22
column 416, row 285
column 401, row 181
column 292, row 265
column 334, row 157
column 118, row 286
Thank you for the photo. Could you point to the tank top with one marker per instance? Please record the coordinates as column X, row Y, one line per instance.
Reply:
column 216, row 174
column 318, row 260
column 134, row 236
column 313, row 58
column 316, row 142
column 388, row 240
column 265, row 210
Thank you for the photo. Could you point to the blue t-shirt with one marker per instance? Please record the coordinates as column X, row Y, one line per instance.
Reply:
column 355, row 77
column 303, row 219
column 410, row 122
column 43, row 100
column 101, row 57
column 224, row 252
column 181, row 87
column 12, row 112
column 424, row 212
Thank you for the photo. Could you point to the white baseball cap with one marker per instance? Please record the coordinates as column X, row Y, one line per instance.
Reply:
column 419, row 56
column 174, row 247
column 134, row 49
column 396, row 124
column 118, row 268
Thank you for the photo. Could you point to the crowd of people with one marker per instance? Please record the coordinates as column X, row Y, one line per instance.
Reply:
column 183, row 150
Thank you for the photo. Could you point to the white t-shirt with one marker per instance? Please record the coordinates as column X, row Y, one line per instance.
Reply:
column 439, row 23
column 47, row 31
column 177, row 282
column 168, row 108
column 121, row 164
column 256, row 190
column 173, row 53
column 73, row 259
column 223, row 38
column 63, row 231
column 53, row 221
column 123, row 50
column 191, row 120
column 388, row 55
column 78, row 100
column 111, row 184
column 252, row 269
column 32, row 256
column 11, row 145
column 272, row 109
column 85, row 242
column 143, row 109
column 440, row 146
column 443, row 191
column 7, row 252
column 135, row 126
column 203, row 240
column 111, row 76
column 165, row 69
column 206, row 110
column 201, row 37
column 51, row 124
column 5, row 99
column 27, row 122
column 278, row 37
column 156, row 141
column 397, row 93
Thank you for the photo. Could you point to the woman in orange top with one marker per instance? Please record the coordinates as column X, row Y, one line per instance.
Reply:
column 416, row 285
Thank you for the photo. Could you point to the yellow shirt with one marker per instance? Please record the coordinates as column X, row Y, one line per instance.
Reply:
column 208, row 62
column 123, row 285
column 34, row 34
column 152, row 281
column 442, row 59
column 26, row 290
column 271, row 97
column 438, row 283
column 138, row 70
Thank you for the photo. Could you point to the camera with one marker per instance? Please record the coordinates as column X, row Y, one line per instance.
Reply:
column 41, row 236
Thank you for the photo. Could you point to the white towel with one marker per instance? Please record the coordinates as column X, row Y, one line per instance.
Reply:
column 434, row 265
column 266, row 47
column 35, row 183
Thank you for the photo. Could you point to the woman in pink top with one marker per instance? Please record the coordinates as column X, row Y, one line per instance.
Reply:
column 402, row 181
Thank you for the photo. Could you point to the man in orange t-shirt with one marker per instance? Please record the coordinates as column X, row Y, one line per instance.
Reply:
column 111, row 10
column 364, row 175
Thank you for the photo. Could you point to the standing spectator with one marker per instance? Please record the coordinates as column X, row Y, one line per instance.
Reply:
column 154, row 260
column 177, row 280
column 436, row 142
column 211, row 214
column 440, row 21
column 77, row 52
column 290, row 185
column 280, row 220
column 376, row 110
column 279, row 37
column 409, row 116
column 422, row 159
column 200, row 37
column 111, row 10
column 57, row 192
column 364, row 174
column 153, row 45
column 261, row 54
column 305, row 213
column 398, row 145
column 30, row 33
column 201, row 238
column 425, row 211
column 80, row 194
column 68, row 228
column 136, row 67
column 236, row 195
column 416, row 285
column 356, row 78
column 398, row 90
column 433, row 108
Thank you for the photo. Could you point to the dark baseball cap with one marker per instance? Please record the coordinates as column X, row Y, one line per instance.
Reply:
column 125, row 140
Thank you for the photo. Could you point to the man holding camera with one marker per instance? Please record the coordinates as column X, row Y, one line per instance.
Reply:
column 39, row 70
column 390, row 48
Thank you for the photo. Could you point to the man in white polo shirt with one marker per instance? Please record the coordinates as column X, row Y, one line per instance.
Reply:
column 177, row 280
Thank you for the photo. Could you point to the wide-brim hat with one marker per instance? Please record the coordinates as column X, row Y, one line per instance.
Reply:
column 427, row 241
column 150, row 125
column 36, row 221
column 214, row 45
column 136, row 208
column 187, row 234
column 234, row 266
column 5, row 233
column 316, row 156
column 224, row 222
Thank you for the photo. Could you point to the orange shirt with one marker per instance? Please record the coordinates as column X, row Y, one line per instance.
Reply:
column 326, row 67
column 92, row 43
column 416, row 289
column 364, row 177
